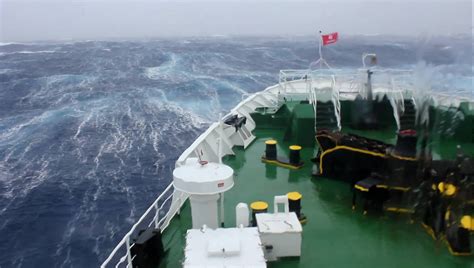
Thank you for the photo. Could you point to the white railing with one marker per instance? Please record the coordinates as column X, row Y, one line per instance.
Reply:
column 270, row 102
column 335, row 97
column 291, row 75
column 153, row 216
column 350, row 81
column 328, row 90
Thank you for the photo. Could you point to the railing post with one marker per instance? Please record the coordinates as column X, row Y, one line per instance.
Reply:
column 146, row 215
column 178, row 211
column 178, row 200
column 222, row 209
column 129, row 254
column 157, row 215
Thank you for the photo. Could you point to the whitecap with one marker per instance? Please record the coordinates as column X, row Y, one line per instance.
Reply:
column 10, row 43
column 6, row 71
column 164, row 70
column 29, row 52
column 33, row 52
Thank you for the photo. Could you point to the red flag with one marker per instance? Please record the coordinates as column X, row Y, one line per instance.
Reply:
column 330, row 38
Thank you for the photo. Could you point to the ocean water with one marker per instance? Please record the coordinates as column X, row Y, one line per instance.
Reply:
column 90, row 131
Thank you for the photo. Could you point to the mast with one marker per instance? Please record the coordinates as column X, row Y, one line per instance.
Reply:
column 373, row 58
column 320, row 49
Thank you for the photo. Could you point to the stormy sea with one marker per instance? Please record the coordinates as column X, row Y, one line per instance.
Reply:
column 90, row 130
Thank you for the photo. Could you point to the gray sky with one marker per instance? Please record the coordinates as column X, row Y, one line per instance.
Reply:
column 30, row 20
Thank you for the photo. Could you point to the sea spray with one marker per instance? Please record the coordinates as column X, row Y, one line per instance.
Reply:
column 397, row 102
column 422, row 92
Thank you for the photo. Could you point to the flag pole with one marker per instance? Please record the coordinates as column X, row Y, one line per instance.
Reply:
column 321, row 61
column 320, row 49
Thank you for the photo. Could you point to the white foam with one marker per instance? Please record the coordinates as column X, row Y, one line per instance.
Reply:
column 11, row 43
column 164, row 71
column 5, row 71
column 29, row 52
column 34, row 52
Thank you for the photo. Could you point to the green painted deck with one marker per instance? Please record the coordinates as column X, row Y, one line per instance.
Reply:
column 335, row 235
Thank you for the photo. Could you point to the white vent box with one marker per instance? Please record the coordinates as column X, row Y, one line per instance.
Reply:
column 280, row 234
column 223, row 247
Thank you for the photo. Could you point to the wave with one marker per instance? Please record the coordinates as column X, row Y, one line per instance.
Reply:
column 28, row 52
column 34, row 52
column 164, row 70
column 11, row 43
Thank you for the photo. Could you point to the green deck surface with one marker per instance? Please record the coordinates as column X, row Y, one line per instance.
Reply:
column 335, row 235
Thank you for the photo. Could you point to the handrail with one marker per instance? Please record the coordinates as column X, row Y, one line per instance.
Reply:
column 336, row 102
column 125, row 242
column 352, row 81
